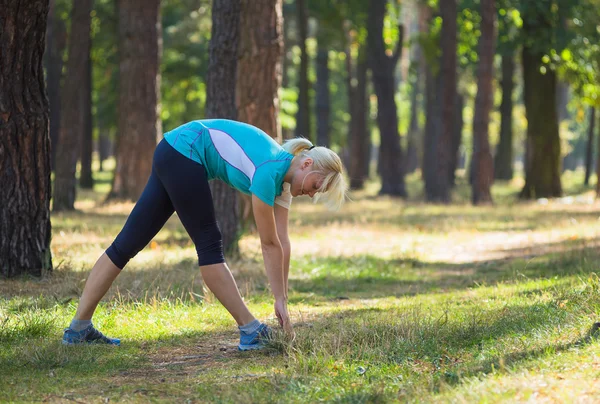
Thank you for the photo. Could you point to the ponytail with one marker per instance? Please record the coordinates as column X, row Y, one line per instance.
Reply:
column 297, row 145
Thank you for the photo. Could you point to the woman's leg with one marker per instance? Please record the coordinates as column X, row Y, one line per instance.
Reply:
column 187, row 185
column 220, row 281
column 148, row 216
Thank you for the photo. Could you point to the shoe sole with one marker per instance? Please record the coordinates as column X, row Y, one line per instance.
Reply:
column 90, row 343
column 250, row 347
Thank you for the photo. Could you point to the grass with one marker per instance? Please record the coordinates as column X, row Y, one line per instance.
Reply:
column 393, row 301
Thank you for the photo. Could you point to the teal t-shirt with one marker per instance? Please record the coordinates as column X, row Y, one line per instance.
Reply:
column 237, row 153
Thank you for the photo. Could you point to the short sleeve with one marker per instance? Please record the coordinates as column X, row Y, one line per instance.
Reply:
column 263, row 186
column 285, row 199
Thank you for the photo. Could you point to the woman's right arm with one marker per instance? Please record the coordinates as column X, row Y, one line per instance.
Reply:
column 273, row 257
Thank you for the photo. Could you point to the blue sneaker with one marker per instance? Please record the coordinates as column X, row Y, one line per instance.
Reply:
column 257, row 340
column 88, row 335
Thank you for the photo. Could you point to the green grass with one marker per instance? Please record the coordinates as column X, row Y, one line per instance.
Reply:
column 393, row 301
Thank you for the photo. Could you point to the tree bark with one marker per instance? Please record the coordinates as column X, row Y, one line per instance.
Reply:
column 73, row 115
column 459, row 124
column 542, row 174
column 86, row 180
column 24, row 141
column 139, row 94
column 503, row 169
column 259, row 74
column 303, row 115
column 439, row 188
column 589, row 146
column 323, row 99
column 221, row 103
column 414, row 131
column 56, row 35
column 259, row 71
column 482, row 156
column 359, row 137
column 382, row 68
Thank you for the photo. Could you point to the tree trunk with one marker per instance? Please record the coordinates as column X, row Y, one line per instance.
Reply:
column 73, row 114
column 459, row 124
column 503, row 164
column 439, row 189
column 430, row 139
column 259, row 74
column 24, row 141
column 104, row 146
column 382, row 68
column 85, row 179
column 542, row 174
column 482, row 156
column 323, row 102
column 56, row 42
column 221, row 103
column 412, row 150
column 359, row 139
column 303, row 115
column 589, row 147
column 139, row 93
column 598, row 163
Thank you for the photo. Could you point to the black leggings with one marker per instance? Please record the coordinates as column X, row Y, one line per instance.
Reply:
column 177, row 184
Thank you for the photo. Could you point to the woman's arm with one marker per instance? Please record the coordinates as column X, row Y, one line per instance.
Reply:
column 273, row 257
column 281, row 222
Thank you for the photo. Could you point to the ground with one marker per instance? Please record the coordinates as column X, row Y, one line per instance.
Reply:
column 393, row 300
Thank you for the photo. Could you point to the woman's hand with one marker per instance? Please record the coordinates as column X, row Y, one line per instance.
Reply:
column 283, row 316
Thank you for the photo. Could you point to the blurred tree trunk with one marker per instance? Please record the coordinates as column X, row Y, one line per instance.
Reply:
column 139, row 93
column 359, row 139
column 56, row 41
column 589, row 147
column 221, row 102
column 542, row 174
column 382, row 68
column 259, row 74
column 482, row 156
column 24, row 141
column 598, row 163
column 432, row 125
column 303, row 115
column 85, row 179
column 503, row 164
column 459, row 124
column 104, row 146
column 288, row 11
column 73, row 114
column 323, row 100
column 412, row 150
column 441, row 123
column 259, row 71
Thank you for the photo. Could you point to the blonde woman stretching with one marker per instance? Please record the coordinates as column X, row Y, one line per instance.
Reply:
column 248, row 160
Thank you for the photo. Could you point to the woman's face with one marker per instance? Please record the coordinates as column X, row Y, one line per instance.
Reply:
column 306, row 181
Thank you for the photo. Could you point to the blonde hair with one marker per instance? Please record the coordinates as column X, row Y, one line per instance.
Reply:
column 328, row 163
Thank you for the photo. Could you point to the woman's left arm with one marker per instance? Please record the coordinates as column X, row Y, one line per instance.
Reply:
column 281, row 221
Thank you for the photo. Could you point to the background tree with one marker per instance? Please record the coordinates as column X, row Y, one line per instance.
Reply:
column 139, row 92
column 482, row 156
column 503, row 162
column 322, row 102
column 56, row 41
column 382, row 68
column 542, row 171
column 75, row 107
column 303, row 127
column 24, row 141
column 221, row 103
column 259, row 73
column 589, row 148
column 441, row 110
column 86, row 179
column 259, row 66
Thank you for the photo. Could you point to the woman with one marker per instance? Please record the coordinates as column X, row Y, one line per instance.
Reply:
column 248, row 160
